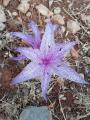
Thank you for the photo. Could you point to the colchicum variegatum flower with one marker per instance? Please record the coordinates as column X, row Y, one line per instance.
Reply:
column 47, row 58
column 33, row 40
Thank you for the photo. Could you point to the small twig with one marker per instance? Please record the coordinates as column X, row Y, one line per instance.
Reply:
column 84, row 8
column 62, row 110
column 75, row 20
column 83, row 116
column 68, row 13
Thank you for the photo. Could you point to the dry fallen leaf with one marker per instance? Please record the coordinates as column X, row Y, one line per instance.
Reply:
column 6, row 2
column 44, row 10
column 6, row 77
column 51, row 105
column 74, row 53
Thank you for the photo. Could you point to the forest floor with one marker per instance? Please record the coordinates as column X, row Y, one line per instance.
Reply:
column 66, row 100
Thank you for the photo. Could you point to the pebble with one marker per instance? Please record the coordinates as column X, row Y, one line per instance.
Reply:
column 86, row 19
column 14, row 13
column 6, row 2
column 44, row 10
column 59, row 19
column 73, row 26
column 28, row 14
column 36, row 113
column 57, row 10
column 2, row 26
column 2, row 14
column 23, row 6
column 50, row 3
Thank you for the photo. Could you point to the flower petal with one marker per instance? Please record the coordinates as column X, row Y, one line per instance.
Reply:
column 20, row 57
column 68, row 73
column 27, row 38
column 29, row 53
column 44, row 84
column 48, row 37
column 67, row 47
column 30, row 71
column 36, row 31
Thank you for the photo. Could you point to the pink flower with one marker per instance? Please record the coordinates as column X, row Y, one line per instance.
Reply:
column 32, row 40
column 47, row 60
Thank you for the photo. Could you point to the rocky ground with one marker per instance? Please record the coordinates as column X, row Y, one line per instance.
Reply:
column 67, row 100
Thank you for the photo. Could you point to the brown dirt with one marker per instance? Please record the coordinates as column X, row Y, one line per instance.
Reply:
column 20, row 96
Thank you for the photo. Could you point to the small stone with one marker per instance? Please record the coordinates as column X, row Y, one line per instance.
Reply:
column 59, row 19
column 28, row 14
column 83, row 17
column 57, row 10
column 50, row 2
column 2, row 26
column 8, row 36
column 15, row 14
column 36, row 113
column 23, row 7
column 44, row 10
column 6, row 2
column 2, row 14
column 73, row 26
column 86, row 19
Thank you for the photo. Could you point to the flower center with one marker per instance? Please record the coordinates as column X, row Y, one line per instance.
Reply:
column 46, row 61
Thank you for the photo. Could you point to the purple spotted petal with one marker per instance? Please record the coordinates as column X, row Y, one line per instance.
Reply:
column 27, row 38
column 29, row 53
column 66, row 47
column 48, row 37
column 29, row 72
column 44, row 84
column 37, row 34
column 66, row 72
column 20, row 57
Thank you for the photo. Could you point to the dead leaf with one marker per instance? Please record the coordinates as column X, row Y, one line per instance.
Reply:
column 74, row 53
column 6, row 2
column 6, row 76
column 51, row 105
